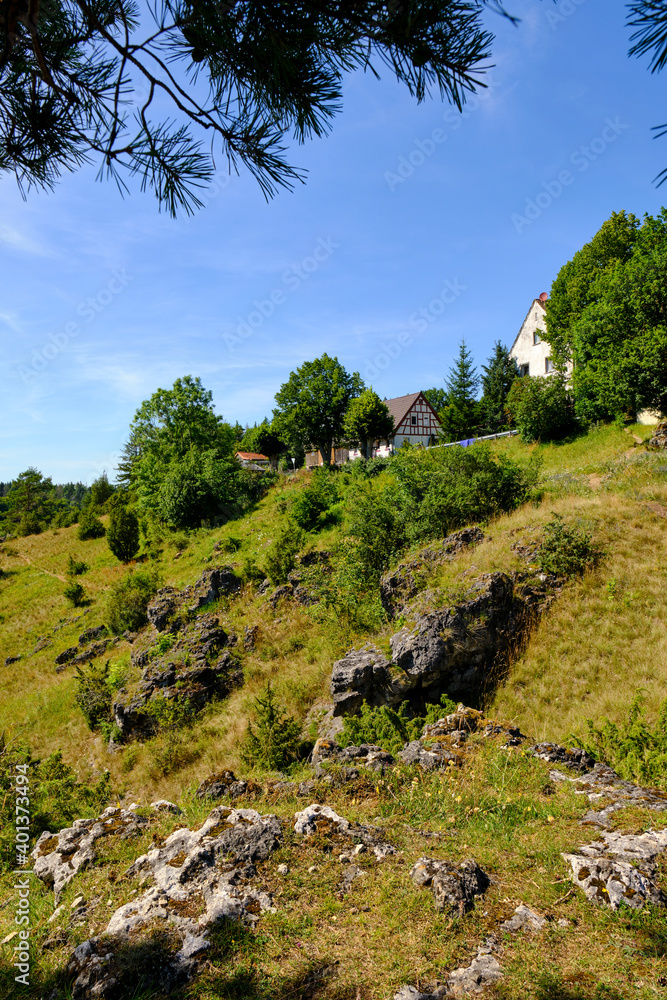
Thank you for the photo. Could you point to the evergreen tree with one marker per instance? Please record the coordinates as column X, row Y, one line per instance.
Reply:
column 30, row 501
column 460, row 415
column 250, row 75
column 123, row 533
column 100, row 491
column 497, row 380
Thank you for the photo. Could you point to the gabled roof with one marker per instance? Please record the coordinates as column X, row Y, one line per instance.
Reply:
column 401, row 406
column 544, row 310
column 251, row 456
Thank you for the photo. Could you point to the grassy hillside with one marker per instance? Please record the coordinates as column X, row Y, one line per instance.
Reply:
column 602, row 640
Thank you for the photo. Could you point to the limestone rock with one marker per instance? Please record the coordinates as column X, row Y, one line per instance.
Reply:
column 91, row 634
column 163, row 805
column 168, row 606
column 225, row 783
column 658, row 440
column 454, row 886
column 187, row 876
column 58, row 857
column 575, row 758
column 66, row 655
column 620, row 869
column 482, row 971
column 319, row 819
column 367, row 755
column 524, row 918
column 450, row 651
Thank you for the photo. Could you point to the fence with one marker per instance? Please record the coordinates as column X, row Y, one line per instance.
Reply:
column 469, row 441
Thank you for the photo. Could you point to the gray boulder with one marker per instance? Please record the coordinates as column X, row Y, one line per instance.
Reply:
column 621, row 868
column 454, row 886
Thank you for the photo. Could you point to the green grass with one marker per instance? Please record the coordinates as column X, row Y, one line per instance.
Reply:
column 602, row 639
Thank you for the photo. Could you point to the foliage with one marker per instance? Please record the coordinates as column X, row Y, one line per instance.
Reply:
column 94, row 693
column 437, row 398
column 367, row 419
column 635, row 749
column 497, row 380
column 460, row 415
column 123, row 533
column 541, row 408
column 311, row 405
column 313, row 502
column 390, row 728
column 56, row 796
column 101, row 490
column 270, row 72
column 76, row 567
column 75, row 594
column 375, row 521
column 90, row 526
column 281, row 554
column 606, row 314
column 29, row 502
column 566, row 551
column 128, row 599
column 198, row 488
column 274, row 742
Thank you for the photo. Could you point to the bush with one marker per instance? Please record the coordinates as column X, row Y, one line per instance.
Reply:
column 93, row 694
column 76, row 568
column 281, row 554
column 388, row 728
column 90, row 526
column 566, row 551
column 29, row 524
column 637, row 751
column 75, row 594
column 123, row 533
column 313, row 502
column 56, row 796
column 541, row 408
column 275, row 741
column 128, row 600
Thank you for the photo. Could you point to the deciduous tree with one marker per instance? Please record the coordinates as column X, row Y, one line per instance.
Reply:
column 313, row 402
column 367, row 420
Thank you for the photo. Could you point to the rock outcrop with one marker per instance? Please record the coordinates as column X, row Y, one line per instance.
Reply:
column 454, row 651
column 621, row 868
column 199, row 878
column 170, row 607
column 196, row 668
column 658, row 440
column 399, row 585
column 58, row 857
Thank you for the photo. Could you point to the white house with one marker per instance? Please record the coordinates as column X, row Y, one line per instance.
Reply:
column 531, row 353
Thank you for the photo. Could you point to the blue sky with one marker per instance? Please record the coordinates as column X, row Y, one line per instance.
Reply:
column 417, row 226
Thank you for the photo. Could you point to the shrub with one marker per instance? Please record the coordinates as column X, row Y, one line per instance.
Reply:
column 75, row 594
column 281, row 554
column 90, row 526
column 29, row 524
column 56, row 796
column 128, row 599
column 388, row 728
column 93, row 694
column 566, row 551
column 313, row 502
column 275, row 741
column 635, row 749
column 541, row 408
column 76, row 568
column 123, row 533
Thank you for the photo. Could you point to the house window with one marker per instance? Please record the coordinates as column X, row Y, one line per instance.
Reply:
column 414, row 421
column 536, row 337
column 548, row 365
column 524, row 370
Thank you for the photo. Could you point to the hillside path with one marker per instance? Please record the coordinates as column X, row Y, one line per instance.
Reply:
column 56, row 576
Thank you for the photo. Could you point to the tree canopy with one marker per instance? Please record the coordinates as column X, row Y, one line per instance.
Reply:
column 460, row 415
column 367, row 420
column 153, row 90
column 311, row 405
column 608, row 314
column 497, row 380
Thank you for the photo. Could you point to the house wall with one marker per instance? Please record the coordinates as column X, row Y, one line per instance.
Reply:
column 419, row 426
column 524, row 349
